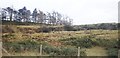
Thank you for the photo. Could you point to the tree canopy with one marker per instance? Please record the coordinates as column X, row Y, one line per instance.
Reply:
column 36, row 16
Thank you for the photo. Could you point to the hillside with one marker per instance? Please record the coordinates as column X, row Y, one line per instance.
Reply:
column 57, row 41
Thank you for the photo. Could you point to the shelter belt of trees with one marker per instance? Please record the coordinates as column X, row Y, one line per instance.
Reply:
column 37, row 16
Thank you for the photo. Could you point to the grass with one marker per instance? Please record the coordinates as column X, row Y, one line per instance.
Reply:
column 53, row 38
column 62, row 35
column 96, row 51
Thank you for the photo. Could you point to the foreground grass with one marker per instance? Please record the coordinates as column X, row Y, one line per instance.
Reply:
column 96, row 51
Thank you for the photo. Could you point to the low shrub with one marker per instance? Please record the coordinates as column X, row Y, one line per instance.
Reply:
column 68, row 28
column 78, row 42
column 7, row 37
column 88, row 42
column 29, row 45
column 110, row 43
column 43, row 29
column 49, row 29
column 61, row 51
column 22, row 45
column 49, row 49
column 68, row 51
column 8, row 29
column 112, row 51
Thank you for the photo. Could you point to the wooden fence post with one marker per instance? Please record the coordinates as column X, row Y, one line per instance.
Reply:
column 21, row 50
column 78, row 51
column 6, row 52
column 118, row 53
column 40, row 50
column 0, row 49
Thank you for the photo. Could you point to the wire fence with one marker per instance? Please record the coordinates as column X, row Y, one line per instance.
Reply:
column 42, row 50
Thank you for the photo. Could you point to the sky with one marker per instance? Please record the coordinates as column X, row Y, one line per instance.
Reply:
column 81, row 11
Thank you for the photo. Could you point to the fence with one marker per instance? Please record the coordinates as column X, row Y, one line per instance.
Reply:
column 0, row 49
column 118, row 53
column 42, row 50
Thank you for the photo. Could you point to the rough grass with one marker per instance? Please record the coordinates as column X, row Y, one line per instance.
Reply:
column 96, row 51
column 53, row 37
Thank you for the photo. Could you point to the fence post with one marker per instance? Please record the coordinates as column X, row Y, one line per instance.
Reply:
column 78, row 51
column 6, row 51
column 0, row 49
column 118, row 53
column 21, row 49
column 40, row 50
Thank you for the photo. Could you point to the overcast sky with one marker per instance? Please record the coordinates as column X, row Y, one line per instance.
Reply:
column 82, row 11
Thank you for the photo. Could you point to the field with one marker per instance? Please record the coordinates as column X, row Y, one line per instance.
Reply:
column 26, row 40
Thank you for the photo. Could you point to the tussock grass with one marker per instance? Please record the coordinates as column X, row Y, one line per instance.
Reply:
column 14, row 34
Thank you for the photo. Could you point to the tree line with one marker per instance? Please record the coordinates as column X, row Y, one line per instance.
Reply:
column 36, row 16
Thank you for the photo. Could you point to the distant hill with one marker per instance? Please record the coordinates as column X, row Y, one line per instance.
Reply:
column 104, row 26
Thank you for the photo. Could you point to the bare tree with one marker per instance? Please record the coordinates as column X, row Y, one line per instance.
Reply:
column 54, row 18
column 28, row 14
column 58, row 17
column 24, row 14
column 41, row 17
column 15, row 15
column 49, row 18
column 10, row 11
column 34, row 15
column 3, row 14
